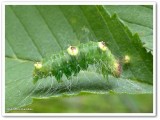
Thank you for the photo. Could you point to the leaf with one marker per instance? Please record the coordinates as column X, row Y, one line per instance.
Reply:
column 139, row 19
column 89, row 103
column 20, row 89
column 34, row 32
column 118, row 37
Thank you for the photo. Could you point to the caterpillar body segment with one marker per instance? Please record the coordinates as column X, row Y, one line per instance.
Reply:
column 76, row 58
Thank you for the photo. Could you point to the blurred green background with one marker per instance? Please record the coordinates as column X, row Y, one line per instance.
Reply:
column 142, row 103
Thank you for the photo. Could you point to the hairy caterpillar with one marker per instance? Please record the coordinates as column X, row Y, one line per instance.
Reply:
column 76, row 58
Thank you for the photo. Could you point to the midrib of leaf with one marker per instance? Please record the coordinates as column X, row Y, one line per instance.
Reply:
column 19, row 59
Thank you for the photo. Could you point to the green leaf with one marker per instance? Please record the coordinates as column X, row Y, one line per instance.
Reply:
column 91, row 103
column 139, row 19
column 121, row 42
column 35, row 32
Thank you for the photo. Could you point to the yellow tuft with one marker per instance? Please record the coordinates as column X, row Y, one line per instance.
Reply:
column 126, row 59
column 116, row 65
column 117, row 69
column 102, row 46
column 72, row 50
column 38, row 65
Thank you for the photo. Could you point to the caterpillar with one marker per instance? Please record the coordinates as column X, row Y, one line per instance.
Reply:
column 76, row 58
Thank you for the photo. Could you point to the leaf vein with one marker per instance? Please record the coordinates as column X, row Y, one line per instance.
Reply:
column 38, row 49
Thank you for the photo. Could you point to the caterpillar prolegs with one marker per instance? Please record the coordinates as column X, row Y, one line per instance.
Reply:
column 76, row 58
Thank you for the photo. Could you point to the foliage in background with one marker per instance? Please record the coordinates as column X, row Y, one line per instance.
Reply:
column 92, row 104
column 34, row 32
column 139, row 19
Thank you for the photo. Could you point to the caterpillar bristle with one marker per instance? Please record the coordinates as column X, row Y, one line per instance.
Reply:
column 76, row 58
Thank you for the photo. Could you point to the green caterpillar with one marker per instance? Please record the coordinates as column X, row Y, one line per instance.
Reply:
column 76, row 58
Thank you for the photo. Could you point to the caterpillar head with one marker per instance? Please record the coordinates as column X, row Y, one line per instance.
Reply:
column 72, row 50
column 102, row 46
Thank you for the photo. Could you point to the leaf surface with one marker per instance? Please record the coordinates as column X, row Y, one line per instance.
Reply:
column 139, row 19
column 35, row 32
